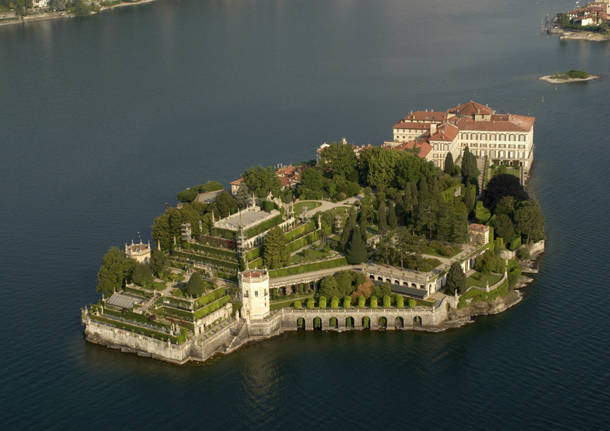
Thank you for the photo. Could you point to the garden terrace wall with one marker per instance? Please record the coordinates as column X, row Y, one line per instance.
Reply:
column 215, row 251
column 302, row 241
column 261, row 227
column 206, row 259
column 308, row 267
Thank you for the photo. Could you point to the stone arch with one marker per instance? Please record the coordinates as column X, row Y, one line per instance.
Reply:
column 333, row 322
column 417, row 322
column 366, row 322
column 317, row 323
column 382, row 322
column 349, row 322
column 399, row 323
column 300, row 323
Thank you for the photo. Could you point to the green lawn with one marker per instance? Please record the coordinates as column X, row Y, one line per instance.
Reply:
column 309, row 255
column 480, row 279
column 299, row 206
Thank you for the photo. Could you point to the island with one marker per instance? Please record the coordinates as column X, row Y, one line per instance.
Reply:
column 589, row 22
column 568, row 77
column 422, row 233
column 24, row 11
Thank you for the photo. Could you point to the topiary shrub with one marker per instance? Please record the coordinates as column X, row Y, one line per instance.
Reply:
column 334, row 302
column 412, row 303
column 298, row 304
column 400, row 301
column 387, row 301
column 311, row 303
column 361, row 301
column 322, row 302
column 373, row 301
column 347, row 302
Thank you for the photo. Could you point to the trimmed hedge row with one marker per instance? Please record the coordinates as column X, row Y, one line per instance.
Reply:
column 206, row 259
column 263, row 226
column 210, row 308
column 302, row 241
column 130, row 315
column 224, row 233
column 300, row 230
column 254, row 253
column 256, row 263
column 215, row 251
column 308, row 267
column 212, row 296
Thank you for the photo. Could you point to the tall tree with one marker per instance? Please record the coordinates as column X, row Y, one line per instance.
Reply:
column 116, row 268
column 224, row 204
column 339, row 159
column 274, row 249
column 195, row 286
column 504, row 228
column 470, row 172
column 382, row 220
column 142, row 274
column 456, row 279
column 356, row 252
column 459, row 226
column 243, row 196
column 262, row 181
column 158, row 262
column 500, row 186
column 392, row 219
column 449, row 167
column 350, row 224
column 470, row 198
column 530, row 221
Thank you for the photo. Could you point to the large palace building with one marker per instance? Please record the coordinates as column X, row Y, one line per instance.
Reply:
column 503, row 138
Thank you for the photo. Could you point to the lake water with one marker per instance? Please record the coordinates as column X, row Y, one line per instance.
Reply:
column 104, row 119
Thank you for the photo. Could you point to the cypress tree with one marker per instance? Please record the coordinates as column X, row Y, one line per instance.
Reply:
column 356, row 252
column 449, row 166
column 456, row 279
column 347, row 229
column 382, row 220
column 392, row 219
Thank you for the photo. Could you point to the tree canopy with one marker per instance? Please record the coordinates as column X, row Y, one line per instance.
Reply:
column 339, row 159
column 456, row 279
column 274, row 249
column 195, row 286
column 356, row 252
column 262, row 181
column 116, row 268
column 502, row 185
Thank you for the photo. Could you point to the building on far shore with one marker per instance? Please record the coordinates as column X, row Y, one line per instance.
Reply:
column 503, row 138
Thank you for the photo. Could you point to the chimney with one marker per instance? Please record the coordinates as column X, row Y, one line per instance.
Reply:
column 432, row 128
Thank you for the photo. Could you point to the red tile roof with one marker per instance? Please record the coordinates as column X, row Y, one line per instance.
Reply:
column 514, row 123
column 446, row 132
column 426, row 116
column 423, row 146
column 472, row 108
column 411, row 125
column 236, row 182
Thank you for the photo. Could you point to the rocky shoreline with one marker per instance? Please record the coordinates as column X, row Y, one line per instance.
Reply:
column 580, row 35
column 551, row 80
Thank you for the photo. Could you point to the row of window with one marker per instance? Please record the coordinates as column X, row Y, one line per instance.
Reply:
column 500, row 153
column 513, row 146
column 491, row 137
column 255, row 293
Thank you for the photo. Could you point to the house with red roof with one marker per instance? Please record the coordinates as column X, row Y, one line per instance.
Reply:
column 507, row 138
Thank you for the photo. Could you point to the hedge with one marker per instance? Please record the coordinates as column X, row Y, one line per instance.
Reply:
column 256, row 263
column 515, row 244
column 206, row 259
column 130, row 315
column 302, row 241
column 224, row 233
column 254, row 253
column 266, row 225
column 214, row 250
column 212, row 296
column 308, row 267
column 300, row 230
column 210, row 308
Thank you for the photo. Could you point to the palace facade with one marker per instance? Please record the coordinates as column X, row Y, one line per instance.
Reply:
column 502, row 138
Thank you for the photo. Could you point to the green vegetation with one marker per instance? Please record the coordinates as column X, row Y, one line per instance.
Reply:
column 571, row 74
column 293, row 270
column 189, row 194
column 262, row 227
column 115, row 270
column 480, row 279
column 456, row 279
column 275, row 254
column 300, row 207
column 262, row 181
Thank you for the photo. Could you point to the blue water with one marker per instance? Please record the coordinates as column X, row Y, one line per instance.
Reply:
column 103, row 119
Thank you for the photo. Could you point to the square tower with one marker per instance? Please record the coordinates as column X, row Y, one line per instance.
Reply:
column 254, row 293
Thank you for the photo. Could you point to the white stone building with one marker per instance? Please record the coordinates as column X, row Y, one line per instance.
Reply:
column 254, row 293
column 140, row 251
column 499, row 137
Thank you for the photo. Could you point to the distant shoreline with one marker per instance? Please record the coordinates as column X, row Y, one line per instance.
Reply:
column 551, row 80
column 579, row 35
column 47, row 16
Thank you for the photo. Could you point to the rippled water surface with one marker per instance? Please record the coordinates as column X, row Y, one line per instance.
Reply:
column 104, row 119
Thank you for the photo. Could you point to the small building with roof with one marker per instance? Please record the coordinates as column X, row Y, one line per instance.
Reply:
column 138, row 251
